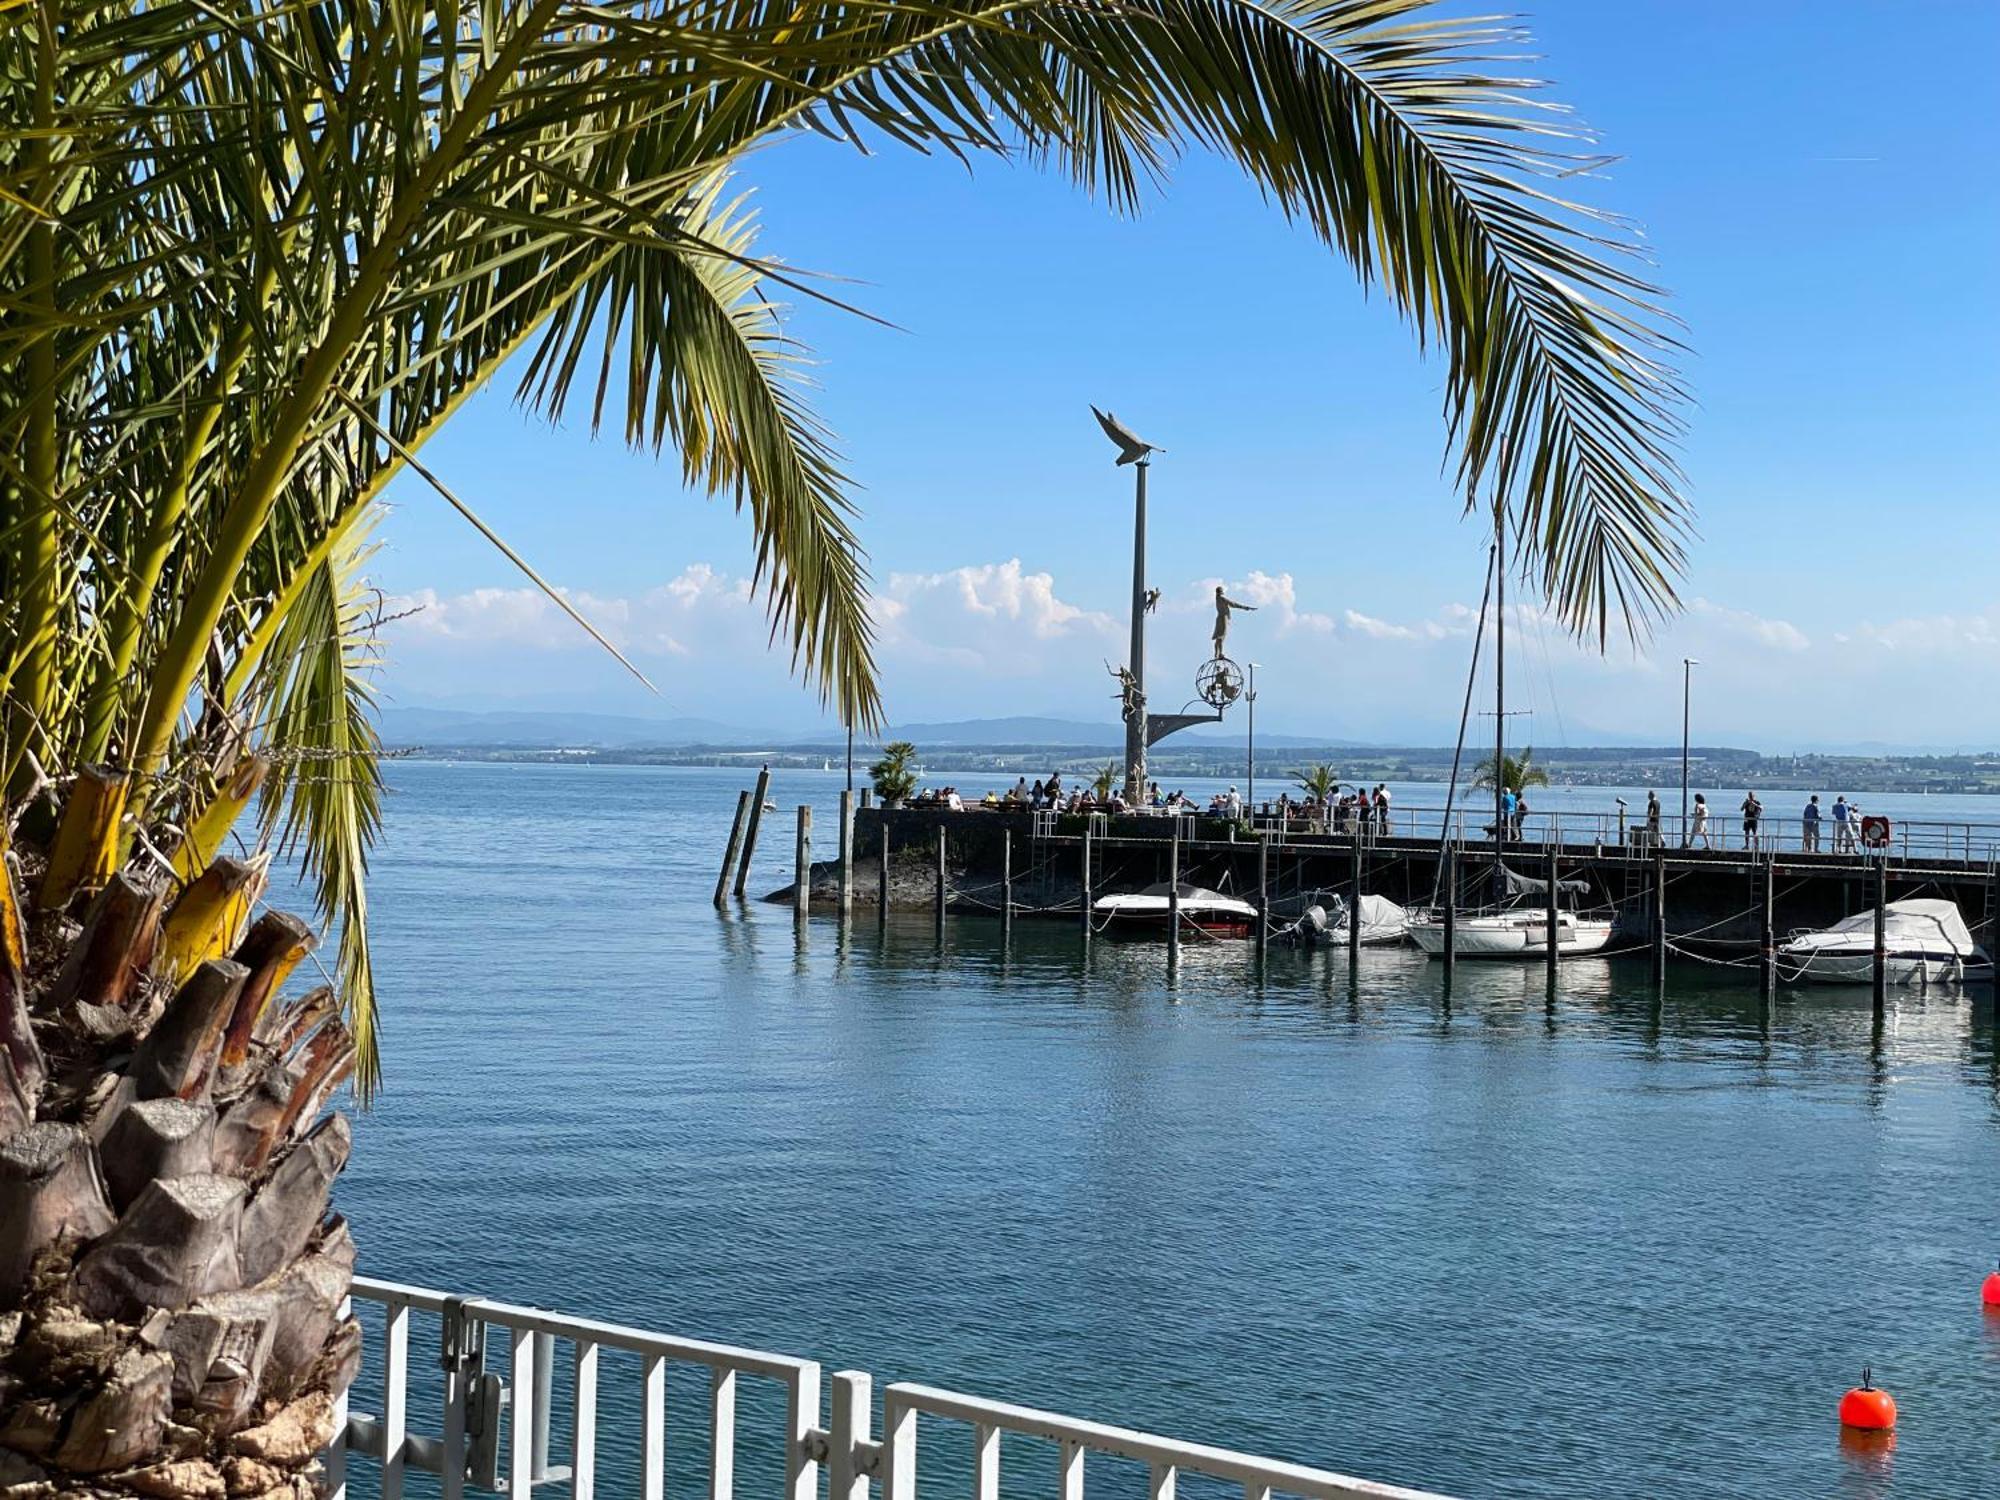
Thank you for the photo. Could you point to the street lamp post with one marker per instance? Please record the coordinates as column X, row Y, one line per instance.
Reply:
column 1250, row 756
column 1688, row 664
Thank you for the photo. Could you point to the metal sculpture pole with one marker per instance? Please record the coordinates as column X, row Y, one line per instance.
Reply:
column 1135, row 724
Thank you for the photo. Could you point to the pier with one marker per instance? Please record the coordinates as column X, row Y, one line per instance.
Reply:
column 1019, row 864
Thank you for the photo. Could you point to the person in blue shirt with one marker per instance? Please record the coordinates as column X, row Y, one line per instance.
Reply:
column 1809, row 835
column 1843, row 827
column 1507, row 815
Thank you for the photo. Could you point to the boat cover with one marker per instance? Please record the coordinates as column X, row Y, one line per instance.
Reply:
column 1906, row 923
column 1380, row 911
column 1528, row 885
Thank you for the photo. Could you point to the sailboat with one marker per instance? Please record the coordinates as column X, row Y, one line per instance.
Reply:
column 1516, row 925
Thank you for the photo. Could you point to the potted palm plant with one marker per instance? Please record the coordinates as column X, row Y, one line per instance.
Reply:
column 894, row 776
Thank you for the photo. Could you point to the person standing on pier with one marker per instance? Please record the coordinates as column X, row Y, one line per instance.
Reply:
column 1382, row 808
column 1753, row 815
column 1843, row 827
column 1652, row 820
column 1700, row 829
column 1809, row 827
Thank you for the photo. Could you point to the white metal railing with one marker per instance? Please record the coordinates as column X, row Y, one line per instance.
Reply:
column 466, row 1451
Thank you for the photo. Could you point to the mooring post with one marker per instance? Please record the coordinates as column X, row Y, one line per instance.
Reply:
column 846, row 855
column 942, row 895
column 1449, row 885
column 865, row 795
column 1174, row 896
column 1263, row 893
column 1006, row 882
column 1354, row 898
column 1881, row 931
column 750, row 834
column 734, row 848
column 1767, row 952
column 1551, row 913
column 1659, row 914
column 882, row 881
column 802, row 864
column 1083, row 900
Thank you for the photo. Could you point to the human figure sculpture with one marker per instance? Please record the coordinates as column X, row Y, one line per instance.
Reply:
column 1133, row 701
column 1224, row 605
column 1152, row 600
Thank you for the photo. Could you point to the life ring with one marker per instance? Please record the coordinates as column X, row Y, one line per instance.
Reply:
column 1875, row 832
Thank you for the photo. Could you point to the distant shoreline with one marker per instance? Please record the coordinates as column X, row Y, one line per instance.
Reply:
column 1619, row 766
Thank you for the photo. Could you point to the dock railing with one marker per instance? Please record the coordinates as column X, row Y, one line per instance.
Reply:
column 460, row 1438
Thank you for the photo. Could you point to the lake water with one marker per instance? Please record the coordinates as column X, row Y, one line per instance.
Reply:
column 1494, row 1245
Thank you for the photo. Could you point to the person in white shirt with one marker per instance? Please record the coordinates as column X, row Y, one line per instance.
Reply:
column 952, row 800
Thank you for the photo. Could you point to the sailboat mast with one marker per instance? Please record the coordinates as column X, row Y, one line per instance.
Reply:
column 1499, row 691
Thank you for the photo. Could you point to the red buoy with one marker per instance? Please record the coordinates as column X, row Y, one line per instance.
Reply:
column 1867, row 1408
column 1989, row 1290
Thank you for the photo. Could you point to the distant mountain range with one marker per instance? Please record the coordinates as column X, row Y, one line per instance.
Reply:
column 446, row 728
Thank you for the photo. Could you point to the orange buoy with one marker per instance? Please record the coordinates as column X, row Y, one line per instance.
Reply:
column 1989, row 1290
column 1867, row 1408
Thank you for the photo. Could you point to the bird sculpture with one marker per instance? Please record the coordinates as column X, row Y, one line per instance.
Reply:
column 1152, row 600
column 1132, row 448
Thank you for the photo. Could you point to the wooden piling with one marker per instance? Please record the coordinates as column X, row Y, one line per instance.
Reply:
column 1354, row 898
column 1006, row 882
column 735, row 847
column 1551, row 913
column 1881, row 965
column 882, row 881
column 1449, row 885
column 846, row 855
column 802, row 866
column 1083, row 899
column 1174, row 897
column 756, row 821
column 1263, row 893
column 1659, row 914
column 1767, row 949
column 866, row 796
column 942, row 893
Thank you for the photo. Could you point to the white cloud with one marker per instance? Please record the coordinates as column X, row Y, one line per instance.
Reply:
column 1778, row 635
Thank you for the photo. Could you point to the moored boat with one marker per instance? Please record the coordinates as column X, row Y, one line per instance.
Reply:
column 1520, row 933
column 1925, row 942
column 1152, row 909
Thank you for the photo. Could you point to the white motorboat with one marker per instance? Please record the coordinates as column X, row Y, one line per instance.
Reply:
column 1520, row 928
column 1520, row 933
column 1925, row 942
column 1210, row 911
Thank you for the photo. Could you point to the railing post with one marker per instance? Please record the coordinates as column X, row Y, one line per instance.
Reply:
column 849, row 1429
column 333, row 1457
column 521, row 1444
column 985, row 1462
column 395, row 1398
column 653, row 1429
column 583, row 1445
column 722, row 1434
column 801, row 1417
column 899, row 1456
column 545, row 1386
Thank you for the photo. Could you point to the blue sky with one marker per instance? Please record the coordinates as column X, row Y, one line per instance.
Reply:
column 1815, row 180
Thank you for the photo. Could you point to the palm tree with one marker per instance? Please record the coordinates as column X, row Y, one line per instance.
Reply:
column 1102, row 783
column 255, row 256
column 1518, row 773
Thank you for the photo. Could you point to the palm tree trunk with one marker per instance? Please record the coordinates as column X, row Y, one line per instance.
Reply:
column 171, row 1276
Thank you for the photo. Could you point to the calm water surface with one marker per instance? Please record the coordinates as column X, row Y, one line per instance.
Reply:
column 1497, row 1246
